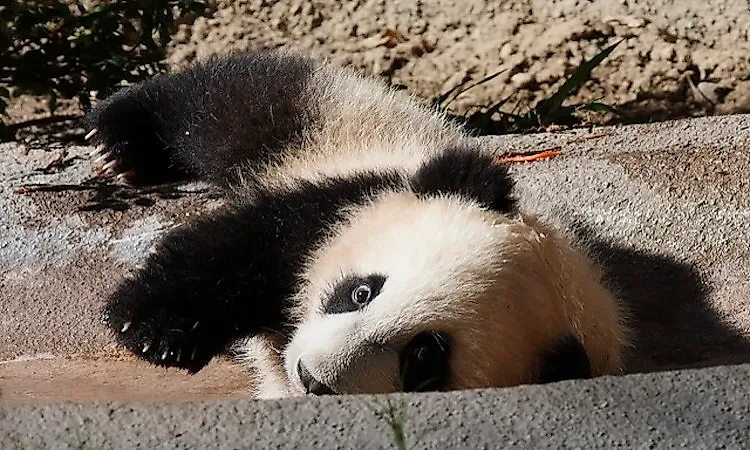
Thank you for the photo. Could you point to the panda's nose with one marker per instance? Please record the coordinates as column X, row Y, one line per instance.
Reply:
column 311, row 385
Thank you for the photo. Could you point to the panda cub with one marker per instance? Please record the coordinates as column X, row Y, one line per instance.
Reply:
column 367, row 245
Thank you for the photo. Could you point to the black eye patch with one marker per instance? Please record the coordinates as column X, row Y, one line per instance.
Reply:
column 353, row 293
column 424, row 362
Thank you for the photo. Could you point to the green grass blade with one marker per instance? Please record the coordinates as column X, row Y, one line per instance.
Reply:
column 547, row 108
column 482, row 121
column 439, row 101
column 446, row 99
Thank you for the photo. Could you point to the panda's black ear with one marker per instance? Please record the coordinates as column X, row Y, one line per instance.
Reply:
column 565, row 360
column 467, row 172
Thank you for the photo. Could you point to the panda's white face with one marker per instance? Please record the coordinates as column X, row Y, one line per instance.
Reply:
column 416, row 294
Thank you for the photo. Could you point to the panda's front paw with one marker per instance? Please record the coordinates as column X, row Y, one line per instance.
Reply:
column 161, row 340
column 148, row 316
column 107, row 164
column 194, row 294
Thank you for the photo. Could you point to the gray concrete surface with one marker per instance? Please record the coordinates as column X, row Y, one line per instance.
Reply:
column 664, row 207
column 695, row 409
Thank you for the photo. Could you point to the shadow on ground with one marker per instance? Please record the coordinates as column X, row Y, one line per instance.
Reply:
column 675, row 326
column 103, row 195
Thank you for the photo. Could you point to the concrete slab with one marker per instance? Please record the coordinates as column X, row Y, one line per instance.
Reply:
column 693, row 409
column 665, row 207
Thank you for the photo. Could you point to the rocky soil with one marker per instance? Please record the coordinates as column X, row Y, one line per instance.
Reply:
column 678, row 58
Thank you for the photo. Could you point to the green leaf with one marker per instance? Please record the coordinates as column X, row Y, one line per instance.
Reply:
column 50, row 48
column 547, row 109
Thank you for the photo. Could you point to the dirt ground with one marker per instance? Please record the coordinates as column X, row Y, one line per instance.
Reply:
column 44, row 379
column 430, row 46
column 679, row 58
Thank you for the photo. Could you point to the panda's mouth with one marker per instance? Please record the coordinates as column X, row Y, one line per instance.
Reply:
column 424, row 362
column 310, row 383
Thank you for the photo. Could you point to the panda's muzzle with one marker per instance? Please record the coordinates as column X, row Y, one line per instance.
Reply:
column 310, row 383
column 424, row 362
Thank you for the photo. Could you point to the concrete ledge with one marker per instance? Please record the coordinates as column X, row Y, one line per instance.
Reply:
column 707, row 408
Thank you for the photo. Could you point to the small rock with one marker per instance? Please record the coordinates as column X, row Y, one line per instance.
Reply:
column 628, row 21
column 708, row 91
column 549, row 75
column 521, row 79
column 663, row 52
column 507, row 51
column 738, row 100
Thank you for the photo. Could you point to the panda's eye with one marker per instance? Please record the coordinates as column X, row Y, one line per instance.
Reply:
column 352, row 294
column 361, row 295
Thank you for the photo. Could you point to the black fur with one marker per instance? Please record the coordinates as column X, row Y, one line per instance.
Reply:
column 228, row 276
column 424, row 362
column 341, row 301
column 231, row 274
column 467, row 172
column 566, row 360
column 203, row 122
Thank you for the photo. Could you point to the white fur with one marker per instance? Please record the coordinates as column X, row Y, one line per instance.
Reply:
column 504, row 289
column 263, row 355
column 366, row 127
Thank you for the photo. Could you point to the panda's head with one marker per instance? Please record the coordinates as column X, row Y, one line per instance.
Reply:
column 438, row 293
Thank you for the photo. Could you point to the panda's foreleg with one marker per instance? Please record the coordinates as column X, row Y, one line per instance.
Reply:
column 205, row 122
column 205, row 285
column 229, row 275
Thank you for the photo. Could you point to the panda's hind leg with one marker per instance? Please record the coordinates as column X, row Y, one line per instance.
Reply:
column 127, row 129
column 207, row 122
